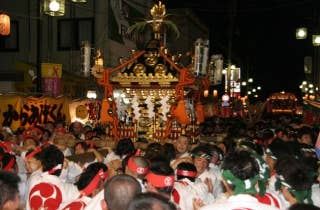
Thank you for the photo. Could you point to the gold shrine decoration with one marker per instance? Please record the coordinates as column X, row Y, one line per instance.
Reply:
column 105, row 79
column 144, row 79
column 158, row 13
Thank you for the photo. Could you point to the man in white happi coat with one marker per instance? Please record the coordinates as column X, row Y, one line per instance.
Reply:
column 185, row 189
column 48, row 191
column 240, row 176
column 137, row 167
column 182, row 146
column 201, row 158
column 90, row 183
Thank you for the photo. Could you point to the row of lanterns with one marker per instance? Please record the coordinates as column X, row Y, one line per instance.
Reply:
column 302, row 33
column 57, row 7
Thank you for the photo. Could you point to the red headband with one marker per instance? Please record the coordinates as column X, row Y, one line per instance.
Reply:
column 133, row 167
column 138, row 152
column 33, row 153
column 160, row 180
column 4, row 146
column 10, row 164
column 54, row 169
column 191, row 174
column 94, row 183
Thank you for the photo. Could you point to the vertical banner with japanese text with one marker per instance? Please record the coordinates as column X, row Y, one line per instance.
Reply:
column 51, row 78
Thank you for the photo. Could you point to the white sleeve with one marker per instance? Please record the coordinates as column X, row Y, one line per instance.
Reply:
column 110, row 157
column 74, row 170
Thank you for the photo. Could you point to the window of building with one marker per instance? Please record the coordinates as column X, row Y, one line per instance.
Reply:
column 10, row 43
column 71, row 32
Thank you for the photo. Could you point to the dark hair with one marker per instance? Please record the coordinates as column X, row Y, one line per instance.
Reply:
column 241, row 164
column 125, row 147
column 188, row 167
column 267, row 134
column 169, row 151
column 215, row 150
column 50, row 157
column 89, row 173
column 153, row 150
column 295, row 173
column 120, row 190
column 5, row 160
column 303, row 206
column 63, row 123
column 83, row 144
column 201, row 150
column 150, row 201
column 280, row 148
column 162, row 168
column 250, row 146
column 304, row 131
column 47, row 131
column 9, row 186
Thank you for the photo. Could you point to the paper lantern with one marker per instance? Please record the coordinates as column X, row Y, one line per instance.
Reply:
column 301, row 33
column 54, row 7
column 4, row 24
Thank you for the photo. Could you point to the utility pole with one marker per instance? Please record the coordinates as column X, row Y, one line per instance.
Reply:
column 39, row 43
column 231, row 15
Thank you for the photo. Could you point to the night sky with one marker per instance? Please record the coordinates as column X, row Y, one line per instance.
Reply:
column 263, row 37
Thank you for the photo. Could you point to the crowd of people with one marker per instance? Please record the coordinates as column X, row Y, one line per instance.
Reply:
column 272, row 164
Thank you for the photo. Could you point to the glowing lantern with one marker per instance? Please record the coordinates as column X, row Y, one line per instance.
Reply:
column 54, row 7
column 225, row 97
column 206, row 93
column 4, row 24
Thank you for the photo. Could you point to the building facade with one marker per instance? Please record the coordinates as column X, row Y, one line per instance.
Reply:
column 38, row 38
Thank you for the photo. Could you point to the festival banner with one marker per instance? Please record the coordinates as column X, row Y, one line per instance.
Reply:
column 51, row 78
column 10, row 107
column 17, row 111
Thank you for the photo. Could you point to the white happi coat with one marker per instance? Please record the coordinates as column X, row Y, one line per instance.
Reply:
column 275, row 199
column 71, row 173
column 316, row 195
column 78, row 204
column 239, row 202
column 184, row 155
column 32, row 178
column 49, row 192
column 271, row 182
column 184, row 191
column 217, row 186
column 95, row 202
column 110, row 157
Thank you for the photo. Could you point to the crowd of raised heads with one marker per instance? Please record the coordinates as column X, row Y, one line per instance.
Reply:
column 270, row 164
